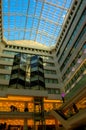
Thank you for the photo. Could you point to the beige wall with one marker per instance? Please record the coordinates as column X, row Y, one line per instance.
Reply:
column 1, row 47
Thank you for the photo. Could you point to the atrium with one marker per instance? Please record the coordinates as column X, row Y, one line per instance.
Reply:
column 42, row 65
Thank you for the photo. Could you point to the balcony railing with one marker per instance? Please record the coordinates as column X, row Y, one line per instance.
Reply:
column 79, row 86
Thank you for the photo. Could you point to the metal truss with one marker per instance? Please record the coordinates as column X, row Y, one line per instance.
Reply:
column 38, row 20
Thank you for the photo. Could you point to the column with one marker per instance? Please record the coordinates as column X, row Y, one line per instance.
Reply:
column 26, row 107
column 25, row 124
column 56, row 124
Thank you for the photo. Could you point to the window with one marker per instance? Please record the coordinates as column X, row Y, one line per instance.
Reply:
column 50, row 71
column 48, row 80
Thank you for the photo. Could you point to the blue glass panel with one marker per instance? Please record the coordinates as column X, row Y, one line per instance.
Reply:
column 21, row 35
column 68, row 2
column 5, row 34
column 32, row 36
column 29, row 22
column 27, row 35
column 5, row 5
column 5, row 22
column 16, row 34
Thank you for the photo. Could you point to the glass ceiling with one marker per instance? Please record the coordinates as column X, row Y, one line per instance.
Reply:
column 36, row 20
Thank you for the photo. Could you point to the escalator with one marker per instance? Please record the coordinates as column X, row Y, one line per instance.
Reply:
column 72, row 113
column 78, row 119
column 59, row 115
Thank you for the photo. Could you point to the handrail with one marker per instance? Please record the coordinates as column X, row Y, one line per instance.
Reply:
column 61, row 114
column 70, row 122
column 16, row 115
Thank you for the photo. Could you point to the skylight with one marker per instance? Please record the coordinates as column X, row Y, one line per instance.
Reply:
column 36, row 20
